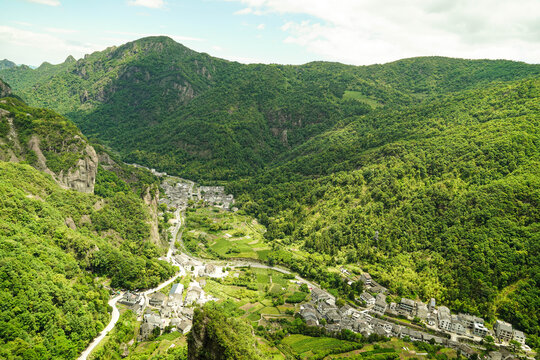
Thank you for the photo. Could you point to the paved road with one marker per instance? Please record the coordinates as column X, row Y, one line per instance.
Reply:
column 114, row 318
column 174, row 232
column 116, row 314
column 236, row 263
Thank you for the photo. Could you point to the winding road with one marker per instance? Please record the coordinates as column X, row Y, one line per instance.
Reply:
column 114, row 318
column 174, row 232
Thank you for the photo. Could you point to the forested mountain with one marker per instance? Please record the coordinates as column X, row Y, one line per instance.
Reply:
column 162, row 104
column 423, row 171
column 6, row 64
column 58, row 247
column 439, row 199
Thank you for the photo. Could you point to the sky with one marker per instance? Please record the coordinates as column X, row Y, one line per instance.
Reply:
column 358, row 32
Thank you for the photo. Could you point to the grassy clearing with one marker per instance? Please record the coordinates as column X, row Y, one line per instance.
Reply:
column 357, row 95
column 307, row 346
column 216, row 233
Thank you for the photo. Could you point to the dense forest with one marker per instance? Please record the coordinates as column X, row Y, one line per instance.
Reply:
column 437, row 200
column 219, row 334
column 161, row 104
column 423, row 171
column 58, row 248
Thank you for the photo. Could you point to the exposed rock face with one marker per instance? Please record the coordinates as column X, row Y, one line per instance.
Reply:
column 79, row 176
column 151, row 198
column 5, row 90
column 82, row 176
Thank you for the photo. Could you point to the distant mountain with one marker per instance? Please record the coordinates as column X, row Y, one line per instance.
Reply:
column 160, row 103
column 6, row 64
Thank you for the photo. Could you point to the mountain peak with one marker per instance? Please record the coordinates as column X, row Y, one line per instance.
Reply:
column 6, row 64
column 70, row 59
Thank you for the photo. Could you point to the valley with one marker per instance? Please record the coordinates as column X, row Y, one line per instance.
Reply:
column 332, row 211
column 229, row 280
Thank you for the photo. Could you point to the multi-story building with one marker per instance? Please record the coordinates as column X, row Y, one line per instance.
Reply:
column 445, row 321
column 503, row 330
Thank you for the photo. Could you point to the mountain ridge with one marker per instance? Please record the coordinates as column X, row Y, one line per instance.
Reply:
column 217, row 119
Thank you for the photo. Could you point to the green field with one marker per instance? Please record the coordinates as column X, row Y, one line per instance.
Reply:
column 216, row 233
column 357, row 95
column 307, row 346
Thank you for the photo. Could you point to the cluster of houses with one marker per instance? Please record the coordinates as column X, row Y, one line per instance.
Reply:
column 438, row 318
column 448, row 327
column 177, row 195
column 215, row 196
column 174, row 310
column 321, row 310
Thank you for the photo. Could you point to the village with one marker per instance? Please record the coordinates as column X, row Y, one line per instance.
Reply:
column 172, row 310
column 179, row 193
column 457, row 331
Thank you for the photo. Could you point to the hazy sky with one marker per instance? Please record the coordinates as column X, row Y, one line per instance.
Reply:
column 276, row 31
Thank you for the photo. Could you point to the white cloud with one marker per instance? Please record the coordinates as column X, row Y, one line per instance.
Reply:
column 368, row 31
column 248, row 11
column 26, row 47
column 152, row 4
column 23, row 23
column 46, row 2
column 244, row 11
column 260, row 27
column 217, row 48
column 60, row 30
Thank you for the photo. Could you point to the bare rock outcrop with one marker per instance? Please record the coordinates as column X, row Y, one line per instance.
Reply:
column 81, row 177
column 5, row 90
column 151, row 198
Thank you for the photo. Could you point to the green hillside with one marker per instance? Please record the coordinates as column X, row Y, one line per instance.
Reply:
column 161, row 104
column 439, row 199
column 59, row 247
column 422, row 171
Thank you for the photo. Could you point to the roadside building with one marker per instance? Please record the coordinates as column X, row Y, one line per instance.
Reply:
column 367, row 298
column 480, row 330
column 309, row 314
column 332, row 316
column 519, row 336
column 457, row 326
column 380, row 304
column 157, row 299
column 406, row 306
column 130, row 299
column 366, row 279
column 422, row 311
column 431, row 305
column 176, row 289
column 193, row 293
column 503, row 330
column 318, row 295
column 443, row 316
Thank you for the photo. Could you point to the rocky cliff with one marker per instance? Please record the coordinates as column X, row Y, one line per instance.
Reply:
column 48, row 142
column 5, row 90
column 151, row 198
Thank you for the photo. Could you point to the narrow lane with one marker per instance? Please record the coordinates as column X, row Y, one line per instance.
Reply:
column 114, row 318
